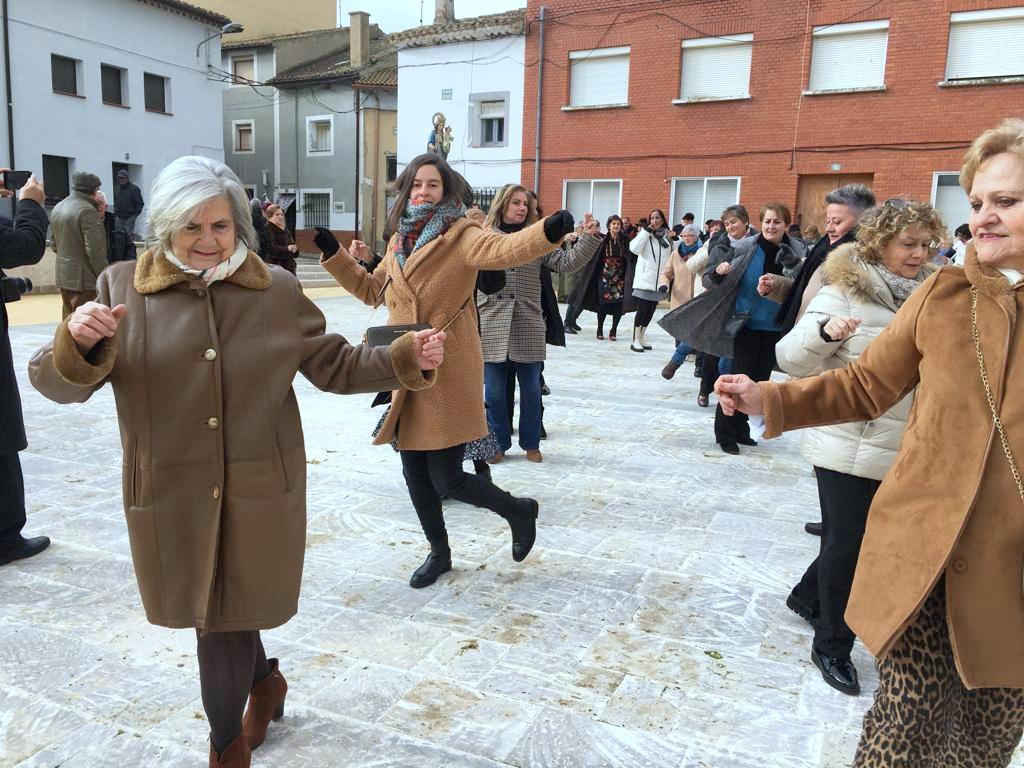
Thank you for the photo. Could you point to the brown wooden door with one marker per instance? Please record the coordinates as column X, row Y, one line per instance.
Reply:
column 810, row 206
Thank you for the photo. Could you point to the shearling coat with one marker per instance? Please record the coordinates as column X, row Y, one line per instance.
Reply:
column 511, row 320
column 949, row 505
column 852, row 288
column 79, row 241
column 214, row 472
column 681, row 279
column 437, row 287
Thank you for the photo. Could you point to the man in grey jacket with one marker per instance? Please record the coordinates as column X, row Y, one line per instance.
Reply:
column 80, row 242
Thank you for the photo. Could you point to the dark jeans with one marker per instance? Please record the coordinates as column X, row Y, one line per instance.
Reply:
column 530, row 405
column 433, row 474
column 12, row 500
column 825, row 586
column 644, row 312
column 754, row 355
column 230, row 665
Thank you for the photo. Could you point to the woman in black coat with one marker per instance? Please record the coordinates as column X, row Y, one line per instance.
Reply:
column 604, row 282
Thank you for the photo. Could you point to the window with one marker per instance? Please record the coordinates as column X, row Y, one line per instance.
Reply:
column 601, row 197
column 243, row 70
column 599, row 78
column 986, row 44
column 244, row 137
column 155, row 88
column 250, row 190
column 112, row 83
column 56, row 178
column 716, row 69
column 847, row 57
column 706, row 198
column 488, row 118
column 64, row 74
column 320, row 135
column 949, row 198
column 392, row 167
column 446, row 94
column 316, row 210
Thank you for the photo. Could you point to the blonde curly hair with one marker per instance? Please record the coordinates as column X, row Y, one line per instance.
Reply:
column 880, row 224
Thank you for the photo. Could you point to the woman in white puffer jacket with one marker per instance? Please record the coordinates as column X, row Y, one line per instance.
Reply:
column 865, row 283
column 653, row 247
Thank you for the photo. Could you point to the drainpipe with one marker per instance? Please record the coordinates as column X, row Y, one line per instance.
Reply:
column 359, row 184
column 10, row 99
column 376, row 168
column 540, row 101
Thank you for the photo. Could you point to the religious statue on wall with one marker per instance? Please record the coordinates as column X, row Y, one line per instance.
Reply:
column 440, row 139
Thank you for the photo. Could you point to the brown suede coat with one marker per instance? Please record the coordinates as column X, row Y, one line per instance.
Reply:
column 949, row 505
column 214, row 473
column 436, row 285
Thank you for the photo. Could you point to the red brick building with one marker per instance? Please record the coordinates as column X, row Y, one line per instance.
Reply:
column 689, row 105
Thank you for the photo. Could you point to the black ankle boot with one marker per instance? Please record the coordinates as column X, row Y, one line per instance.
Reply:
column 438, row 561
column 523, row 522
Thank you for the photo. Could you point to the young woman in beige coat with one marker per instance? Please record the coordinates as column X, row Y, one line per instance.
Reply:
column 429, row 276
column 200, row 341
column 937, row 596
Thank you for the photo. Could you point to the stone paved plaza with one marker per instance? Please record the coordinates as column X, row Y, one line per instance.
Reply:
column 648, row 627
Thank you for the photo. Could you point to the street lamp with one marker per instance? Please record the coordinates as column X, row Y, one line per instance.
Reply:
column 230, row 28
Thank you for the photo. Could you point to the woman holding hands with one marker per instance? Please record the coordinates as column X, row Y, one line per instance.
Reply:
column 937, row 593
column 200, row 341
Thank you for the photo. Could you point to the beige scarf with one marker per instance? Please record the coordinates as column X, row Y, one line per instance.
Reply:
column 217, row 272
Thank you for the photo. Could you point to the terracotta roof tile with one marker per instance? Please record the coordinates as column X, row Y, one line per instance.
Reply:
column 385, row 77
column 187, row 9
column 493, row 25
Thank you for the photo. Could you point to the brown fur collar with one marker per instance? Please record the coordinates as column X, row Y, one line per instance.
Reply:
column 989, row 281
column 845, row 270
column 154, row 273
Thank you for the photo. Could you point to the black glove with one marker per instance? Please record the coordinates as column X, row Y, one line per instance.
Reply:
column 558, row 225
column 662, row 289
column 326, row 242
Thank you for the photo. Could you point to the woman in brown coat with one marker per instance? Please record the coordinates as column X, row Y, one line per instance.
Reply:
column 428, row 276
column 281, row 247
column 937, row 593
column 214, row 472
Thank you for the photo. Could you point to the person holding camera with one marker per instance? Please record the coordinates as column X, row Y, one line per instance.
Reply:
column 22, row 242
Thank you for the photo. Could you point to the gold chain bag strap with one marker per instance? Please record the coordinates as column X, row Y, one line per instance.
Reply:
column 991, row 398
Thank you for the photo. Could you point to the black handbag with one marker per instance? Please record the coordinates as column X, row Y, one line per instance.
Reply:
column 383, row 335
column 736, row 323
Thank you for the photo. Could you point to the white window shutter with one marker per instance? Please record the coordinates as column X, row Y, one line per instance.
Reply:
column 599, row 80
column 577, row 198
column 490, row 109
column 951, row 201
column 992, row 48
column 689, row 196
column 716, row 71
column 607, row 200
column 721, row 193
column 851, row 60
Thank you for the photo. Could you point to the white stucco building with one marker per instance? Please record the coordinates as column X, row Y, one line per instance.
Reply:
column 100, row 85
column 471, row 72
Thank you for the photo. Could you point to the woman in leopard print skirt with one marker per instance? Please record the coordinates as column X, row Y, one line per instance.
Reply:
column 938, row 595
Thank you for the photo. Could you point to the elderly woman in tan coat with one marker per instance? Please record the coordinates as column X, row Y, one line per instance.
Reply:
column 200, row 341
column 429, row 276
column 937, row 595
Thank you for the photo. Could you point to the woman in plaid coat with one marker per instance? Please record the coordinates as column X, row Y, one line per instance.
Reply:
column 512, row 322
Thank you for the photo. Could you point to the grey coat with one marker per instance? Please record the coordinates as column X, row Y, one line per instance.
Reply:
column 80, row 241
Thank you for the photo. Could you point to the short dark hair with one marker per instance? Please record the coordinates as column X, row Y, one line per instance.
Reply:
column 688, row 216
column 963, row 232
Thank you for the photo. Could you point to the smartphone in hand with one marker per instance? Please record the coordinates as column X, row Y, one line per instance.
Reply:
column 14, row 180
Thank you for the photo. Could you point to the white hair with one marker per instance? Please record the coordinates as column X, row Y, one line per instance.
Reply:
column 183, row 188
column 692, row 229
column 100, row 197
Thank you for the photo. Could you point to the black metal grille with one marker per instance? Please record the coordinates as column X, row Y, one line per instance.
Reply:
column 317, row 209
column 484, row 197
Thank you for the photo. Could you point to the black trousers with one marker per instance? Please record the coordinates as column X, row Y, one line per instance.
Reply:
column 754, row 355
column 430, row 475
column 615, row 310
column 708, row 373
column 825, row 586
column 644, row 312
column 12, row 500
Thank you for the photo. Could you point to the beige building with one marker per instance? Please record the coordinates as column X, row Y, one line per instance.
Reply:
column 264, row 18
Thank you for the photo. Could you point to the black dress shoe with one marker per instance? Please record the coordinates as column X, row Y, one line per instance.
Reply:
column 438, row 561
column 545, row 390
column 803, row 610
column 543, row 432
column 731, row 448
column 575, row 327
column 838, row 671
column 813, row 528
column 523, row 522
column 698, row 373
column 571, row 329
column 747, row 441
column 24, row 548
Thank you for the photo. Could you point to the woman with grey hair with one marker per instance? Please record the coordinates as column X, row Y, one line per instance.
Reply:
column 200, row 341
column 843, row 206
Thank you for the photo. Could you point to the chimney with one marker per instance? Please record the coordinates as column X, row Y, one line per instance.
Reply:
column 359, row 38
column 444, row 11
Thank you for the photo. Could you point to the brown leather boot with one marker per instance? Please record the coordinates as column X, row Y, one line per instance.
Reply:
column 266, row 703
column 236, row 755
